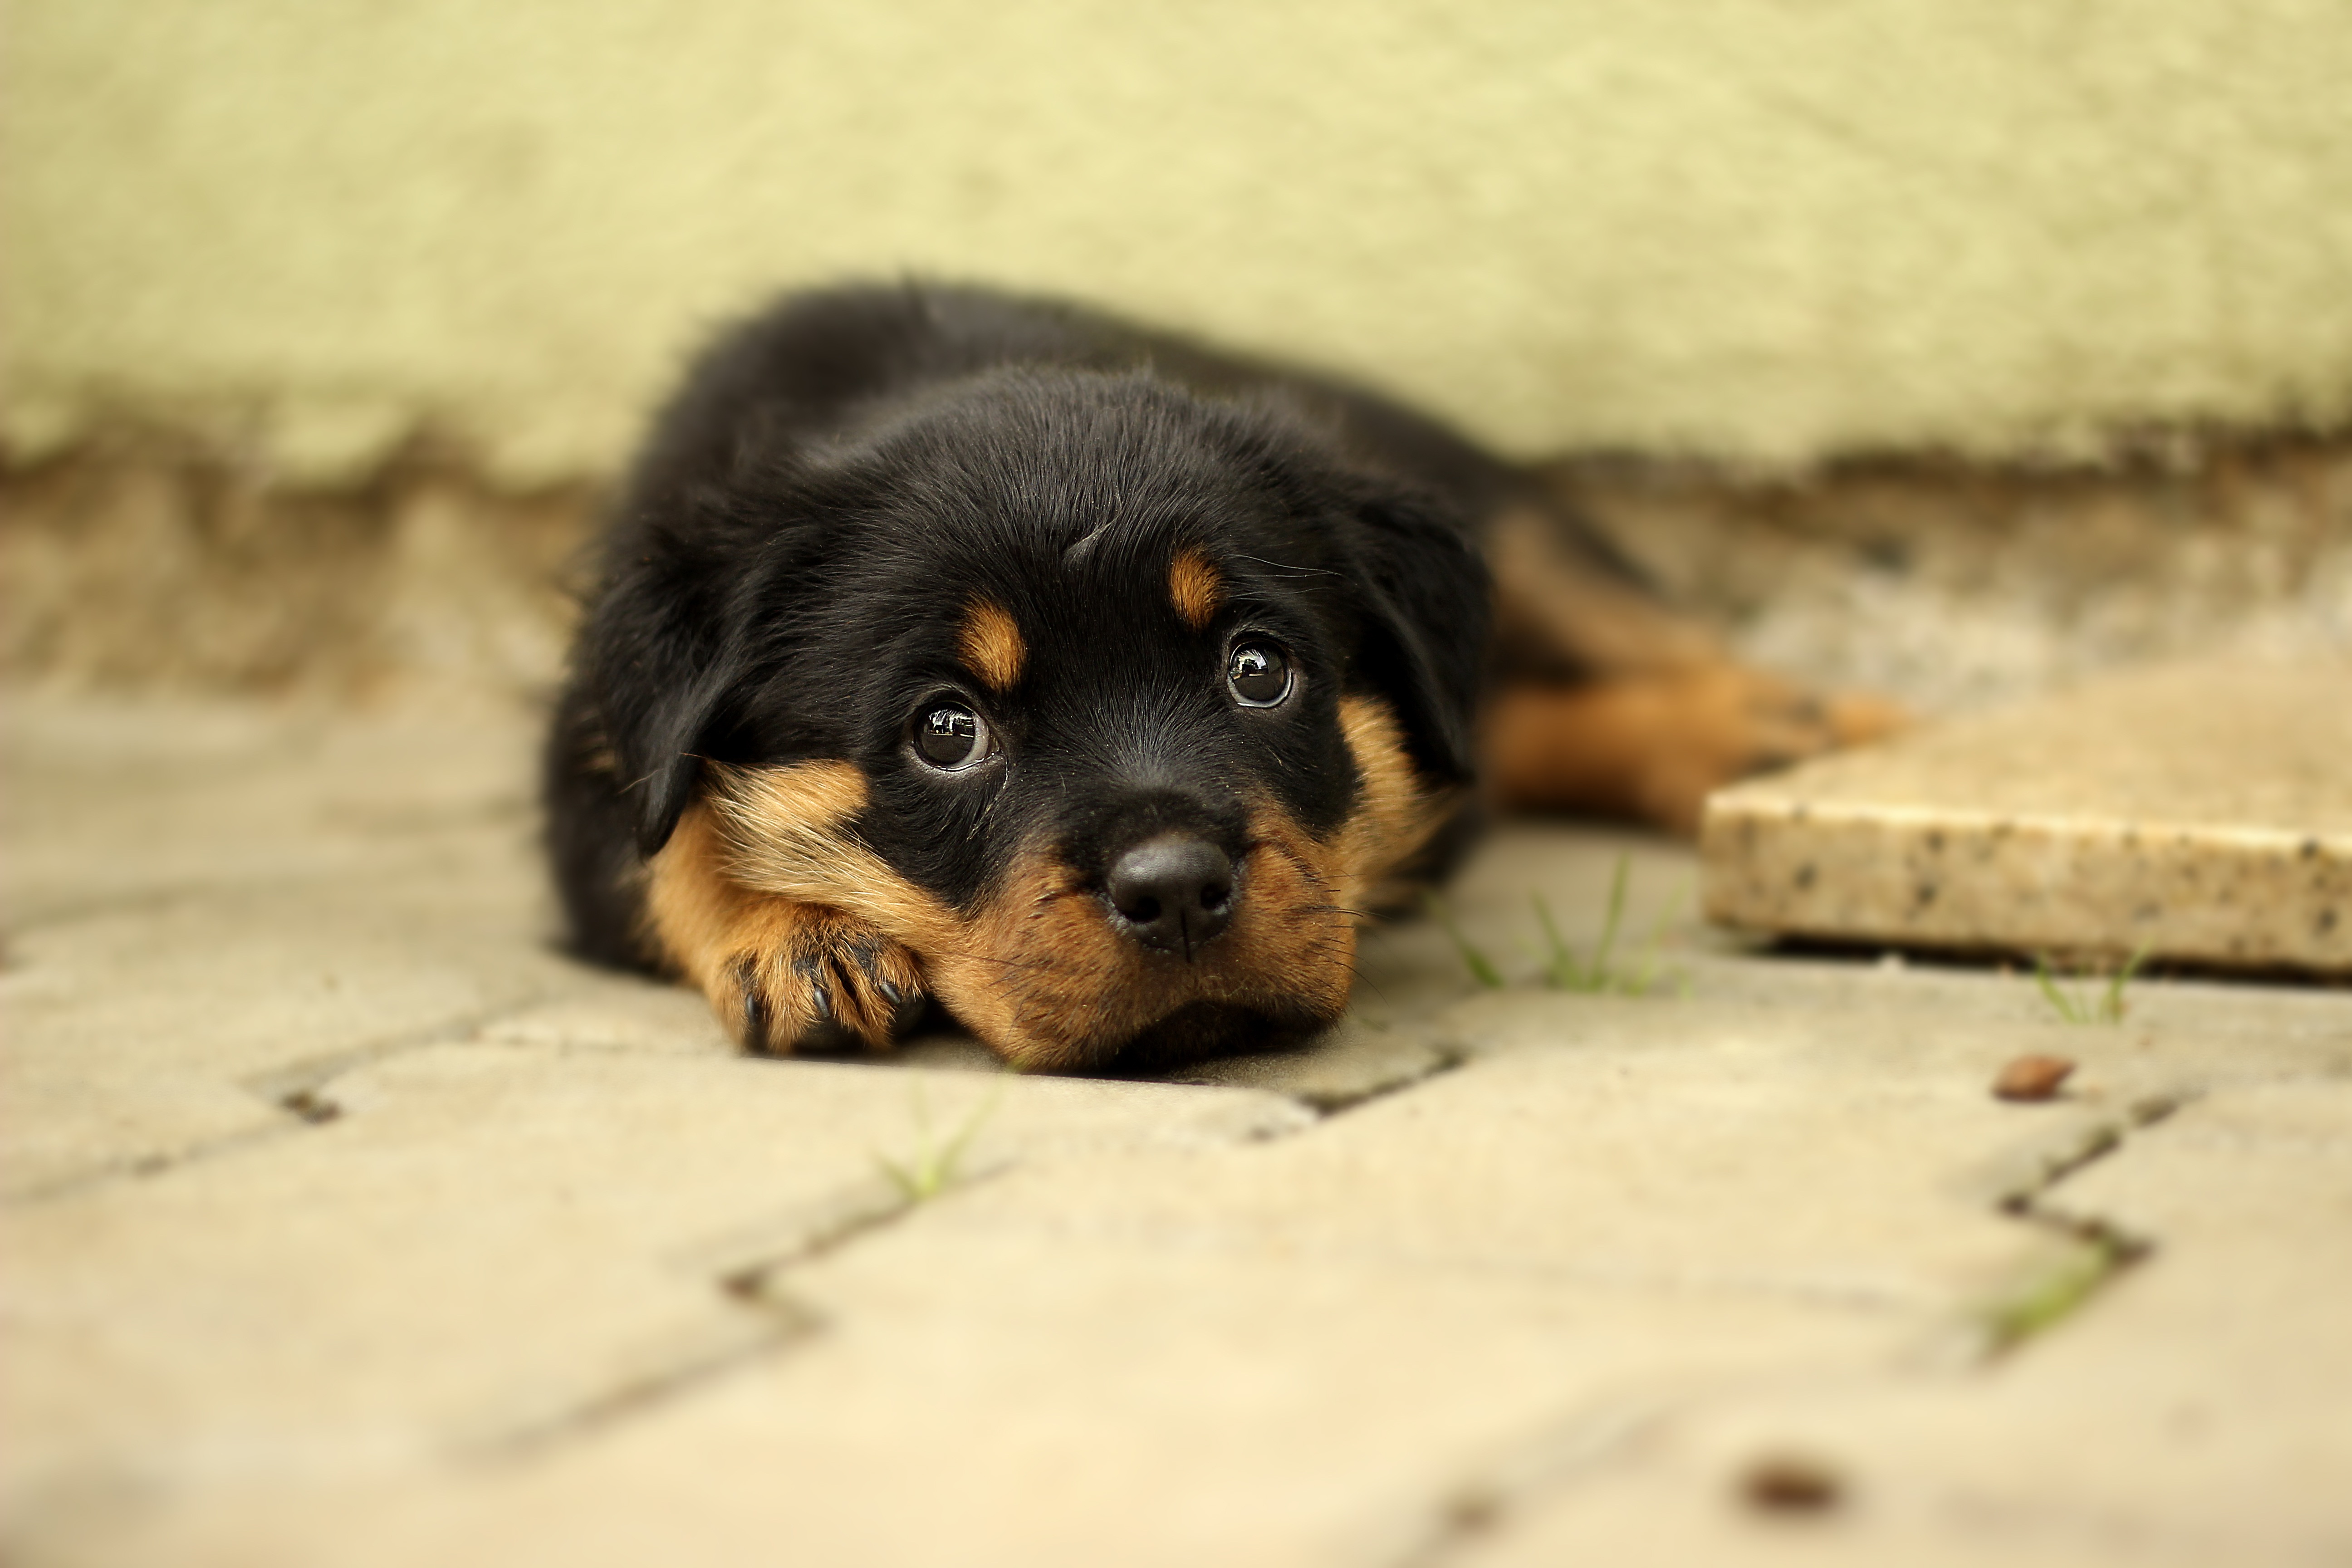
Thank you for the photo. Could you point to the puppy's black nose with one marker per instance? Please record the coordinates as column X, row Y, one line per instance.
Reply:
column 1173, row 893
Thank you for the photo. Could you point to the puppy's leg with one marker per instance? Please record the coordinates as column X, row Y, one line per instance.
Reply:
column 1612, row 703
column 781, row 974
column 1652, row 746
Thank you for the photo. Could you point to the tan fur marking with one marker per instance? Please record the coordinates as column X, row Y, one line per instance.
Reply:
column 991, row 645
column 784, row 831
column 720, row 927
column 1042, row 977
column 1038, row 971
column 1196, row 587
column 1395, row 816
column 695, row 908
column 1655, row 746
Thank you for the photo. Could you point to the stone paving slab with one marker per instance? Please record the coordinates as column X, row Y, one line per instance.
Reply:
column 478, row 1255
column 200, row 898
column 2200, row 812
column 1662, row 1144
column 116, row 804
column 141, row 1034
column 2198, row 1416
column 482, row 1243
column 602, row 1010
column 1471, row 1300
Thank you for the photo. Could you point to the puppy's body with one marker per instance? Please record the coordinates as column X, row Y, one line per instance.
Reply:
column 959, row 646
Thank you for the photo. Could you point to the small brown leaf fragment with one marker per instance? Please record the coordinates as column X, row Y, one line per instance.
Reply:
column 2032, row 1077
column 1791, row 1483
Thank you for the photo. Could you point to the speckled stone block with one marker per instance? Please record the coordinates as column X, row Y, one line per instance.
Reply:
column 2203, row 811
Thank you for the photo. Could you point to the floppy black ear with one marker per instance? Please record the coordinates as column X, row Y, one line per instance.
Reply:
column 1426, row 601
column 663, row 658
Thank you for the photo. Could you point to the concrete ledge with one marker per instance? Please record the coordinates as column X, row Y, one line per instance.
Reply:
column 2199, row 812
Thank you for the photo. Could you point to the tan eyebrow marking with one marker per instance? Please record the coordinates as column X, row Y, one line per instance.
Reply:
column 1196, row 587
column 991, row 645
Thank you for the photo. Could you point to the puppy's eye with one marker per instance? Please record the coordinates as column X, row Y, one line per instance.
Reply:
column 952, row 737
column 1258, row 673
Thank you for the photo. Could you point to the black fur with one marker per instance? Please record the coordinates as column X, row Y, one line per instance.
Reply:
column 788, row 566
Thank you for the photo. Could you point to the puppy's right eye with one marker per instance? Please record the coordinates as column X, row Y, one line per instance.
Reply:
column 952, row 737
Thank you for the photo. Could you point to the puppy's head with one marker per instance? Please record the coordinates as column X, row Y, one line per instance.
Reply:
column 1113, row 705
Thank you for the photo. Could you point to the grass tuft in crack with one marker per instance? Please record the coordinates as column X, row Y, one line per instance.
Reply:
column 936, row 1165
column 2056, row 1293
column 1564, row 972
column 1563, row 969
column 2083, row 1005
column 1482, row 968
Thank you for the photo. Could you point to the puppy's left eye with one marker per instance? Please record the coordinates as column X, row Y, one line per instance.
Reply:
column 952, row 737
column 1258, row 673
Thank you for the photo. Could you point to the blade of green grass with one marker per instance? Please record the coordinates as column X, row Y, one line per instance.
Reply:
column 1482, row 968
column 2057, row 1294
column 2058, row 999
column 1609, row 921
column 2111, row 1005
column 1654, row 951
column 935, row 1166
column 1559, row 968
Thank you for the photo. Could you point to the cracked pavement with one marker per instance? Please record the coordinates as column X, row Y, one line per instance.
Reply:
column 346, row 1222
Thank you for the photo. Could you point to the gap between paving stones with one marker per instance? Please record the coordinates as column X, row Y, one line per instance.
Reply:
column 145, row 1167
column 1539, row 1470
column 756, row 1278
column 1531, row 1473
column 751, row 1267
column 297, row 1089
column 1327, row 1103
column 2099, row 1249
column 780, row 1323
column 58, row 913
column 754, row 1271
column 751, row 1270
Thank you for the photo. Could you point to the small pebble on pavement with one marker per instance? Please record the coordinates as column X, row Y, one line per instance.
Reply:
column 1791, row 1483
column 2032, row 1077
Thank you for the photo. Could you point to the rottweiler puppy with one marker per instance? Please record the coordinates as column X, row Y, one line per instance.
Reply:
column 961, row 648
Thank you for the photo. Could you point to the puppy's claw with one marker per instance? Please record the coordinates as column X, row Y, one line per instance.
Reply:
column 820, row 996
column 906, row 1004
column 755, row 1007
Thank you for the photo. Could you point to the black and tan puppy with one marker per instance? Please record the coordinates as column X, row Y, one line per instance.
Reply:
column 960, row 647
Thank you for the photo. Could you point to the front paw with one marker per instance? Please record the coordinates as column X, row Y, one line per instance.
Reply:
column 807, row 979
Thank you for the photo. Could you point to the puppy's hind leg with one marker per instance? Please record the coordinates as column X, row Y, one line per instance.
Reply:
column 1654, row 747
column 782, row 975
column 1609, row 701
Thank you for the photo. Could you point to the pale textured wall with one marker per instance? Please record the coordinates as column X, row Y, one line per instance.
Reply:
column 1763, row 228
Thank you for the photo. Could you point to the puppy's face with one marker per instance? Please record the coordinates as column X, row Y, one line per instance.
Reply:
column 1087, row 694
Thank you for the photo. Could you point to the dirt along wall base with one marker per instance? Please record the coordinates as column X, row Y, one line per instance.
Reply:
column 147, row 561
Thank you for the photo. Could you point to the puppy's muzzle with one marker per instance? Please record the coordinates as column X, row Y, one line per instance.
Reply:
column 1173, row 894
